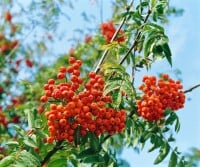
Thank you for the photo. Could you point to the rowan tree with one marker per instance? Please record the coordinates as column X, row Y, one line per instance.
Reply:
column 83, row 106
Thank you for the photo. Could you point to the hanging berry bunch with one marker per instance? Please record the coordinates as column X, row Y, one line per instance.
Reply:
column 79, row 111
column 108, row 30
column 159, row 96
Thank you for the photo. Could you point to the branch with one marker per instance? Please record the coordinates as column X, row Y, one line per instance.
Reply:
column 135, row 41
column 191, row 89
column 57, row 147
column 113, row 38
column 107, row 137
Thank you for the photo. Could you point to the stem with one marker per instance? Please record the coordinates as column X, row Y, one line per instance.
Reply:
column 133, row 69
column 191, row 89
column 57, row 147
column 134, row 43
column 113, row 38
column 107, row 137
column 136, row 39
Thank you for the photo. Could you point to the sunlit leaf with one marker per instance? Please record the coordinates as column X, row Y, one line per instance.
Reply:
column 177, row 125
column 29, row 142
column 163, row 153
column 59, row 162
column 7, row 161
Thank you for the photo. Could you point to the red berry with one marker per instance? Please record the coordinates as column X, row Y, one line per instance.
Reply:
column 44, row 99
column 61, row 75
column 92, row 74
column 72, row 60
column 51, row 81
column 8, row 16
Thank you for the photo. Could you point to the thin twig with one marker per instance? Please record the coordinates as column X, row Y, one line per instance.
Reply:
column 107, row 137
column 191, row 89
column 136, row 40
column 113, row 38
column 134, row 43
column 57, row 147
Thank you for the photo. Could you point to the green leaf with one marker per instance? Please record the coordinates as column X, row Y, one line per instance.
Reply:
column 173, row 160
column 160, row 9
column 177, row 125
column 167, row 112
column 163, row 153
column 86, row 153
column 135, row 142
column 19, row 130
column 145, row 137
column 165, row 129
column 110, row 86
column 155, row 26
column 107, row 158
column 145, row 3
column 28, row 159
column 154, row 146
column 128, row 88
column 117, row 98
column 170, row 120
column 12, row 143
column 31, row 118
column 29, row 142
column 153, row 3
column 171, row 139
column 94, row 142
column 181, row 164
column 148, row 43
column 20, row 159
column 77, row 136
column 59, row 162
column 167, row 52
column 5, row 162
column 94, row 159
column 137, row 18
column 109, row 46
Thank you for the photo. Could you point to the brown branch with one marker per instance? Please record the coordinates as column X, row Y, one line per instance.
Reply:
column 191, row 89
column 57, row 147
column 136, row 40
column 113, row 38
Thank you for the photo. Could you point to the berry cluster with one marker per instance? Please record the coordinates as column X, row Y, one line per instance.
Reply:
column 79, row 111
column 5, row 43
column 159, row 96
column 108, row 30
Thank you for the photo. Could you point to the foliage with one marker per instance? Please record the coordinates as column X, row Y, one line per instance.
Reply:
column 34, row 128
